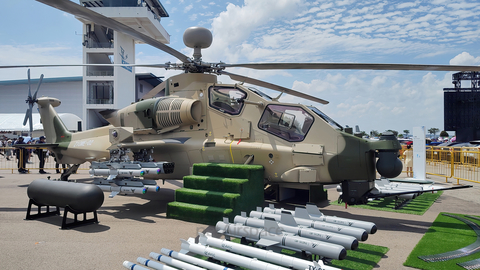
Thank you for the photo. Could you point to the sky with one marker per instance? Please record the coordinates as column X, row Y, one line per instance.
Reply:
column 249, row 31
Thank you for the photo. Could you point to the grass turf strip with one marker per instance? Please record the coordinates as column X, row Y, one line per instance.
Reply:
column 365, row 257
column 417, row 206
column 445, row 234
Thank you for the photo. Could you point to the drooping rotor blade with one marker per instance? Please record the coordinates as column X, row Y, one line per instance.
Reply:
column 30, row 123
column 272, row 86
column 79, row 11
column 359, row 66
column 155, row 90
column 38, row 87
column 89, row 65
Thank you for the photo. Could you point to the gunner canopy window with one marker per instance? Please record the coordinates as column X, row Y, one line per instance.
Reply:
column 287, row 122
column 226, row 99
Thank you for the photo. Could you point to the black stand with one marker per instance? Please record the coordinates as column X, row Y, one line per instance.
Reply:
column 75, row 222
column 39, row 213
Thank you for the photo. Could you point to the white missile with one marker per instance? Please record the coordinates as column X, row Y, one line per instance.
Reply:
column 166, row 260
column 228, row 257
column 193, row 260
column 287, row 224
column 152, row 188
column 121, row 172
column 272, row 236
column 133, row 266
column 358, row 233
column 311, row 212
column 123, row 189
column 261, row 254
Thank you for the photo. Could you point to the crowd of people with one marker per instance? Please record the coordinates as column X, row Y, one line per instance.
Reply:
column 10, row 150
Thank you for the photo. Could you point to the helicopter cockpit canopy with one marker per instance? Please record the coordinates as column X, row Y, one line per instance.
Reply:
column 225, row 99
column 290, row 123
column 325, row 117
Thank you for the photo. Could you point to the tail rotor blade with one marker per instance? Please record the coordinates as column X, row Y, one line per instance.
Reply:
column 26, row 116
column 28, row 75
column 38, row 87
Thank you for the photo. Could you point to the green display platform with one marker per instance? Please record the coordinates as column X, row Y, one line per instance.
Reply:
column 217, row 190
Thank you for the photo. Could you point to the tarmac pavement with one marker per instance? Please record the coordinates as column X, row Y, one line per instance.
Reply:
column 133, row 226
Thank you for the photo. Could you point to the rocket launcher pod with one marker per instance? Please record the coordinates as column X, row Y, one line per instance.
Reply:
column 276, row 238
column 228, row 257
column 261, row 254
column 132, row 266
column 358, row 233
column 78, row 196
column 192, row 260
column 311, row 212
column 288, row 224
column 166, row 260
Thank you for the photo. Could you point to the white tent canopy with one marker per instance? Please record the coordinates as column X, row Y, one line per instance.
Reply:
column 14, row 122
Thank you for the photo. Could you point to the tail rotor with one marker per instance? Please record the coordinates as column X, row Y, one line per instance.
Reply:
column 31, row 100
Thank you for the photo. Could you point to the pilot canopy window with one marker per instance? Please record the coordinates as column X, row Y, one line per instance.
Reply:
column 287, row 122
column 226, row 99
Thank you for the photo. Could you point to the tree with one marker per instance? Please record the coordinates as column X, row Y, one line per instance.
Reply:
column 444, row 134
column 374, row 133
column 400, row 136
column 433, row 131
column 406, row 131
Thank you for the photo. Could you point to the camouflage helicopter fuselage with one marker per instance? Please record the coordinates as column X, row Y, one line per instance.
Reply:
column 200, row 120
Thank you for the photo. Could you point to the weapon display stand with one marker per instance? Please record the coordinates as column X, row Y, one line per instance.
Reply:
column 39, row 213
column 65, row 225
column 76, row 222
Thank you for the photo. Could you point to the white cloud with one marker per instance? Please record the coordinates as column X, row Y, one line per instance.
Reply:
column 465, row 59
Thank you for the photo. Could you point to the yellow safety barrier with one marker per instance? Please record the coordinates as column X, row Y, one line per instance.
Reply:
column 9, row 161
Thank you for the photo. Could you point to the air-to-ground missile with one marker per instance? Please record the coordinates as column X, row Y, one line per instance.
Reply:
column 133, row 266
column 130, row 169
column 358, row 233
column 261, row 254
column 287, row 224
column 123, row 189
column 311, row 212
column 193, row 260
column 228, row 257
column 273, row 236
column 166, row 260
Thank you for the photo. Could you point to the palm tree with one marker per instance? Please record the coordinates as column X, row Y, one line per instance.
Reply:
column 433, row 131
column 406, row 131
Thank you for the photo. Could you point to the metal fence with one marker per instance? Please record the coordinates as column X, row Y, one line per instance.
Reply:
column 9, row 161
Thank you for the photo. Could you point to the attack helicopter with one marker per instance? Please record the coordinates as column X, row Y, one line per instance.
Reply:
column 201, row 120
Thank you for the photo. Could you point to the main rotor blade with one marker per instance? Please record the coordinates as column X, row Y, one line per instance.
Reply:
column 82, row 12
column 359, row 66
column 38, row 87
column 90, row 65
column 272, row 86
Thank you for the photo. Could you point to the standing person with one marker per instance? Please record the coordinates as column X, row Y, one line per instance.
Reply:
column 8, row 151
column 408, row 159
column 22, row 156
column 42, row 154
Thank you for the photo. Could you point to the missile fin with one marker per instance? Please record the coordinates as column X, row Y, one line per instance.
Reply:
column 112, row 194
column 185, row 245
column 202, row 239
column 243, row 214
column 312, row 209
column 271, row 206
column 225, row 220
column 271, row 226
column 259, row 209
column 266, row 243
column 287, row 219
column 301, row 213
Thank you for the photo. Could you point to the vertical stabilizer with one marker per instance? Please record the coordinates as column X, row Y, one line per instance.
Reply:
column 55, row 130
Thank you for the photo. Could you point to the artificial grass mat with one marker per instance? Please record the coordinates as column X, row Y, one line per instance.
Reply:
column 365, row 257
column 445, row 234
column 417, row 206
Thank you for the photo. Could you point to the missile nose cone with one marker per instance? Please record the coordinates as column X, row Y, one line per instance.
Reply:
column 374, row 229
column 354, row 244
column 342, row 254
column 364, row 236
